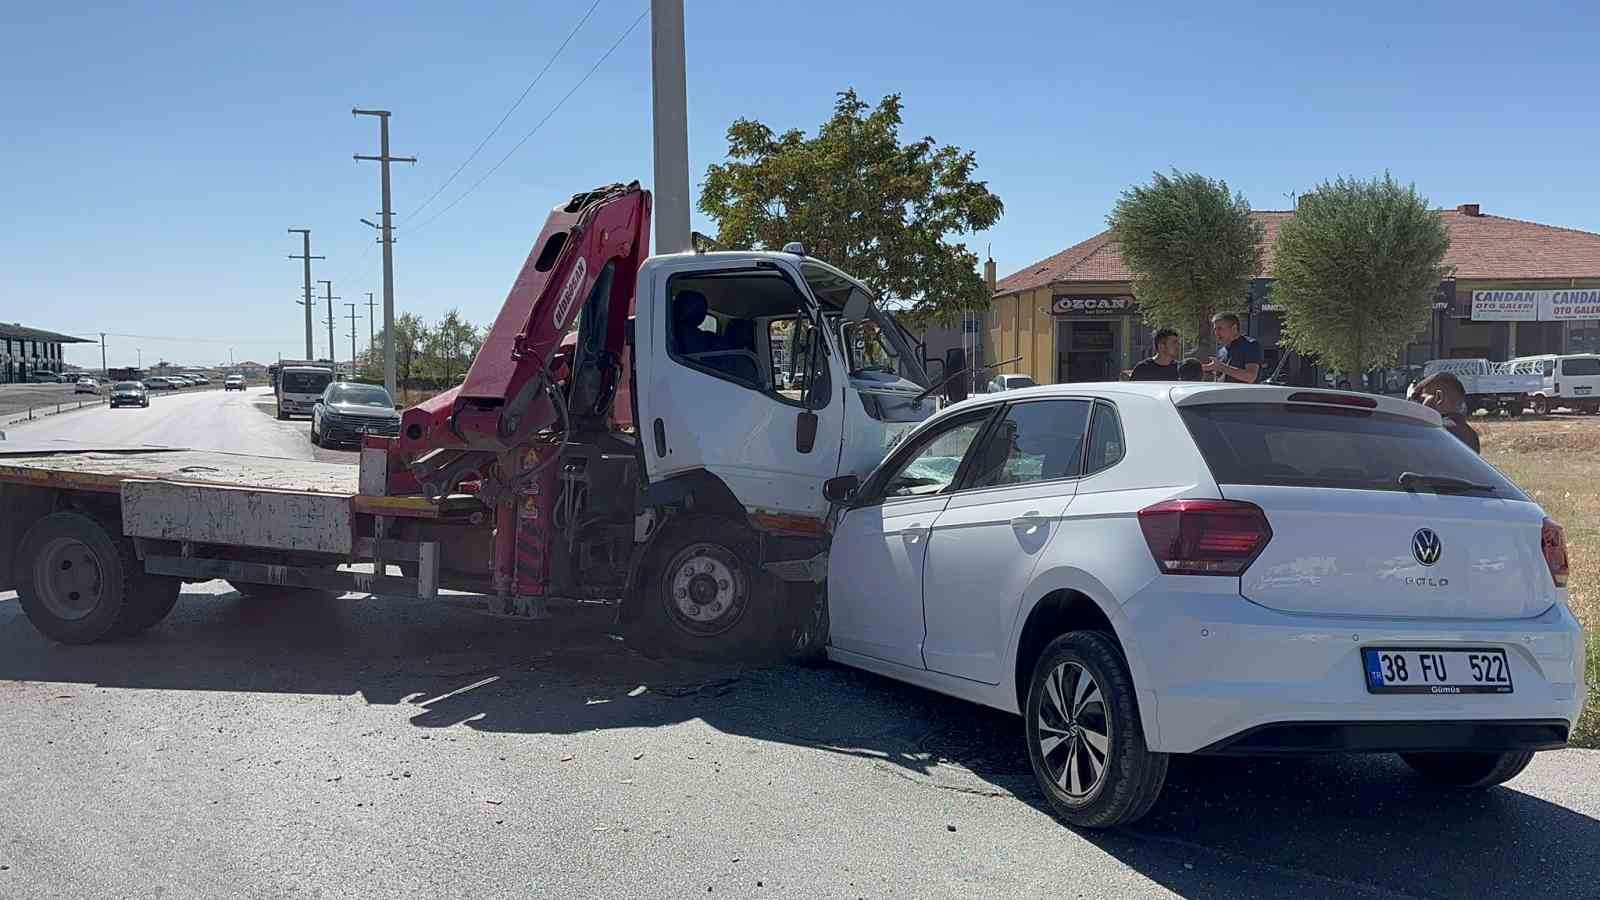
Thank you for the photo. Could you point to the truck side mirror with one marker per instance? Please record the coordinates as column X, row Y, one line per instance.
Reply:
column 958, row 387
column 841, row 489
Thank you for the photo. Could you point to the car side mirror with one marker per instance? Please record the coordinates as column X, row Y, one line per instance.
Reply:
column 959, row 386
column 841, row 488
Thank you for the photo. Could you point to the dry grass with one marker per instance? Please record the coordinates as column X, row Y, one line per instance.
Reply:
column 1557, row 461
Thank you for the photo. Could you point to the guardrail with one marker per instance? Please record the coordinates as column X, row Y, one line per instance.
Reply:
column 101, row 399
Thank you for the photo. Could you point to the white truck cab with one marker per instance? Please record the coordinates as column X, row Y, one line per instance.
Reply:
column 299, row 388
column 772, row 372
column 1572, row 381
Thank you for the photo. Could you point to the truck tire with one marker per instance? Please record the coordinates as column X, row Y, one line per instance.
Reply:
column 703, row 596
column 282, row 416
column 1541, row 405
column 81, row 582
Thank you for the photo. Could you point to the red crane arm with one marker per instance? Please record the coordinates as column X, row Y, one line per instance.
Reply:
column 595, row 241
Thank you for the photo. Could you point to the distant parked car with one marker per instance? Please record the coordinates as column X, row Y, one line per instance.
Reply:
column 159, row 383
column 44, row 378
column 129, row 393
column 200, row 379
column 233, row 383
column 86, row 386
column 1010, row 383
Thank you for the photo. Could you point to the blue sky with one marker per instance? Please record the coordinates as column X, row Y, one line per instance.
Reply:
column 151, row 155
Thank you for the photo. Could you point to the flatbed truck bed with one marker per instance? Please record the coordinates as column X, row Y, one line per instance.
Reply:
column 82, row 523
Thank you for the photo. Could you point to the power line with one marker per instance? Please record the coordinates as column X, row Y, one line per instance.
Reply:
column 496, row 129
column 553, row 110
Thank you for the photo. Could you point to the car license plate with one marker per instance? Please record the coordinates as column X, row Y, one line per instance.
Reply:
column 1580, row 391
column 1432, row 670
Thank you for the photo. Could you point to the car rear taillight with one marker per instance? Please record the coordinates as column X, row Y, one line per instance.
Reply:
column 1553, row 540
column 1205, row 537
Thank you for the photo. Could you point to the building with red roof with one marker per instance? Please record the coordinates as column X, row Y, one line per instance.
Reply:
column 1517, row 288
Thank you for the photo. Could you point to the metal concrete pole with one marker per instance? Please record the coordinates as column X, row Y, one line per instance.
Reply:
column 671, row 123
column 372, row 327
column 333, row 355
column 387, row 237
column 103, row 370
column 305, row 234
column 353, row 317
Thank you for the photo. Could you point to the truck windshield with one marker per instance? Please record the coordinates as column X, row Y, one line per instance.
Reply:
column 875, row 343
column 306, row 382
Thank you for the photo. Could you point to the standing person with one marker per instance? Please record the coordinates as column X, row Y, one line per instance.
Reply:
column 1238, row 358
column 1164, row 365
column 1444, row 393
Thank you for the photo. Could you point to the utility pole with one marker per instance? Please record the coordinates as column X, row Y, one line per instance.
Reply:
column 140, row 351
column 327, row 286
column 670, row 116
column 103, row 370
column 372, row 333
column 305, row 254
column 353, row 317
column 386, row 236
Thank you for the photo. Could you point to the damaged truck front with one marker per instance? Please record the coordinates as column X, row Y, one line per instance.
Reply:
column 643, row 438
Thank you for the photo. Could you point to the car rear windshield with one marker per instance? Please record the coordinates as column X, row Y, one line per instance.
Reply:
column 1309, row 446
column 1589, row 365
column 127, row 386
column 305, row 382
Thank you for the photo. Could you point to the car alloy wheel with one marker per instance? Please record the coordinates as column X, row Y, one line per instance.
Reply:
column 1074, row 731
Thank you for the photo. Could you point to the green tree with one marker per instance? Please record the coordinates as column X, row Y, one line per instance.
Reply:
column 858, row 198
column 1192, row 247
column 1356, row 271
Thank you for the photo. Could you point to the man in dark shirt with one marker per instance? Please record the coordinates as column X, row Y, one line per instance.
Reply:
column 1238, row 358
column 1444, row 393
column 1164, row 365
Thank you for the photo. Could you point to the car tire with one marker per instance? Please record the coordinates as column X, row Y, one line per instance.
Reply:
column 1541, row 406
column 314, row 433
column 282, row 417
column 1062, row 740
column 702, row 595
column 80, row 582
column 1469, row 770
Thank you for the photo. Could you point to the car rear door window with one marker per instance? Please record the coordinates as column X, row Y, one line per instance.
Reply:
column 1041, row 440
column 1302, row 445
column 1106, row 447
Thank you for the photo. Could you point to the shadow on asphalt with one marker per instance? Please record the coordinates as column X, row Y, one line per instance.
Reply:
column 1358, row 821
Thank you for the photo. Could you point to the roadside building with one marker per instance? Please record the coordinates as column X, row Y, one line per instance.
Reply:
column 26, row 352
column 1518, row 288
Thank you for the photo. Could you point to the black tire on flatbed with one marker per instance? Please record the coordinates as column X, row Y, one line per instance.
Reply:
column 79, row 581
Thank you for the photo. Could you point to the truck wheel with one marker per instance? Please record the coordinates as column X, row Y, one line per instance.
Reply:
column 1514, row 410
column 703, row 595
column 1468, row 770
column 80, row 583
column 282, row 416
column 1541, row 406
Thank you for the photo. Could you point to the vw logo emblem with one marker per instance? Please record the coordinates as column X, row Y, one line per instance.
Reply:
column 1426, row 547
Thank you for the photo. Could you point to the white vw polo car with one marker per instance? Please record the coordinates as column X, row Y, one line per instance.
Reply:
column 1145, row 569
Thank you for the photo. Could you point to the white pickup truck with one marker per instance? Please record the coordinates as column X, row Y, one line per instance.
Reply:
column 1489, row 385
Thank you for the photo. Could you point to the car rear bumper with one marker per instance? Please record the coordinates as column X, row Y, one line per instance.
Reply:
column 1225, row 675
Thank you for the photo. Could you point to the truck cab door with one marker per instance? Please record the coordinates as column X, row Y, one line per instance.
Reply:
column 737, row 377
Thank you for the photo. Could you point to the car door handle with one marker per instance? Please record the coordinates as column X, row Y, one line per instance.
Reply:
column 913, row 534
column 1029, row 521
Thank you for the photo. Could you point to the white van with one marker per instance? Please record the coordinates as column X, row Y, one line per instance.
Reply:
column 1572, row 381
column 300, row 387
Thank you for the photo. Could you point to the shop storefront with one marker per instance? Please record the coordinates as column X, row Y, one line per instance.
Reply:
column 1518, row 288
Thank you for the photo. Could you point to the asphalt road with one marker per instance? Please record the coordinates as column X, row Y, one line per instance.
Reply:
column 212, row 419
column 15, row 399
column 377, row 748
